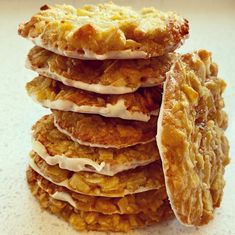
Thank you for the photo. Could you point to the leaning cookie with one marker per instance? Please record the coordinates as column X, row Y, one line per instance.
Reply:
column 103, row 77
column 140, row 105
column 105, row 31
column 191, row 140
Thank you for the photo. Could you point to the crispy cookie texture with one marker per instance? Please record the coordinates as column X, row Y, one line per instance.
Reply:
column 146, row 202
column 105, row 31
column 137, row 180
column 139, row 105
column 191, row 140
column 97, row 131
column 57, row 148
column 82, row 220
column 104, row 77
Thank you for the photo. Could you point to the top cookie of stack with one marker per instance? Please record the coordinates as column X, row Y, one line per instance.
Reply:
column 105, row 31
column 101, row 70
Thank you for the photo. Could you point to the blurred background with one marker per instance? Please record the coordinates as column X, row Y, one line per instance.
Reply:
column 211, row 27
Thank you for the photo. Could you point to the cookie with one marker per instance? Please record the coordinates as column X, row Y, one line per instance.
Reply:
column 191, row 140
column 98, row 131
column 140, row 105
column 147, row 202
column 105, row 31
column 103, row 77
column 57, row 148
column 133, row 181
column 82, row 220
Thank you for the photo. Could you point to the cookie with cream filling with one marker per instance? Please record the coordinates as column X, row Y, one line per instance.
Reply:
column 103, row 77
column 140, row 105
column 105, row 31
column 57, row 148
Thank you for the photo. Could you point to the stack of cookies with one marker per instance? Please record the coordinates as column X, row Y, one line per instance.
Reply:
column 113, row 83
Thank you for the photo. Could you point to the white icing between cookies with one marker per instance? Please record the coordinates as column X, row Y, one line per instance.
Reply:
column 90, row 55
column 97, row 88
column 66, row 184
column 117, row 110
column 93, row 144
column 77, row 164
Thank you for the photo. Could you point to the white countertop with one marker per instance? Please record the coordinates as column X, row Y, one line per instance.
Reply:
column 212, row 28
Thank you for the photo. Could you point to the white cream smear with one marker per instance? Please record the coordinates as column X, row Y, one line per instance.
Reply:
column 90, row 55
column 66, row 184
column 72, row 164
column 117, row 110
column 94, row 144
column 64, row 197
column 83, row 164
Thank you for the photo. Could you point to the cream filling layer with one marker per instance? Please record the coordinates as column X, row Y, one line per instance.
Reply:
column 97, row 88
column 62, row 196
column 65, row 183
column 117, row 110
column 77, row 164
column 94, row 144
column 169, row 76
column 90, row 55
column 72, row 164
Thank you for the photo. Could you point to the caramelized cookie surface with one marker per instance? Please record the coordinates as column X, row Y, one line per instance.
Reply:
column 104, row 77
column 98, row 131
column 105, row 31
column 140, row 105
column 133, row 181
column 191, row 140
column 57, row 148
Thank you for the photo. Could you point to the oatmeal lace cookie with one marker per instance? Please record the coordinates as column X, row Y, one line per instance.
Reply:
column 81, row 220
column 57, row 148
column 146, row 202
column 105, row 31
column 97, row 131
column 191, row 140
column 104, row 77
column 138, row 180
column 139, row 105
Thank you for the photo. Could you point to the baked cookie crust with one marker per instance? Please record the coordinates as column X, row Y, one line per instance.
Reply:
column 81, row 220
column 139, row 105
column 133, row 181
column 57, row 148
column 103, row 77
column 97, row 131
column 191, row 140
column 147, row 202
column 105, row 31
